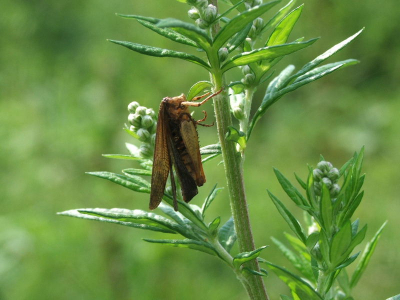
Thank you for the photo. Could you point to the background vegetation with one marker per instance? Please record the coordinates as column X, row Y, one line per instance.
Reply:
column 63, row 97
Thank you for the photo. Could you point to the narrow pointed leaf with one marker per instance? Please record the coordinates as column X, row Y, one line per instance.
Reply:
column 137, row 185
column 161, row 225
column 260, row 54
column 197, row 88
column 290, row 190
column 189, row 30
column 214, row 192
column 289, row 218
column 132, row 171
column 187, row 243
column 175, row 215
column 347, row 261
column 340, row 243
column 296, row 284
column 326, row 210
column 244, row 257
column 211, row 149
column 160, row 52
column 397, row 297
column 300, row 181
column 227, row 235
column 279, row 15
column 121, row 156
column 137, row 17
column 239, row 38
column 213, row 226
column 318, row 60
column 282, row 31
column 239, row 22
column 366, row 256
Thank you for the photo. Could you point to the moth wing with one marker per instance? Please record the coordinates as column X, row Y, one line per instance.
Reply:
column 161, row 160
column 191, row 141
column 188, row 185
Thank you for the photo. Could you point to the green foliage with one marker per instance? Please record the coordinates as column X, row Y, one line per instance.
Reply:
column 323, row 254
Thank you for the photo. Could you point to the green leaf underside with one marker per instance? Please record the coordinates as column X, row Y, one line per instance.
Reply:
column 211, row 149
column 397, row 297
column 142, row 172
column 239, row 22
column 197, row 88
column 186, row 243
column 265, row 53
column 282, row 31
column 147, row 224
column 132, row 182
column 290, row 190
column 366, row 256
column 295, row 283
column 289, row 218
column 239, row 38
column 279, row 15
column 210, row 198
column 191, row 31
column 160, row 52
column 227, row 235
column 121, row 156
column 271, row 98
column 169, row 34
column 244, row 257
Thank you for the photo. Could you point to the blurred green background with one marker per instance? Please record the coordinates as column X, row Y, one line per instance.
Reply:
column 64, row 92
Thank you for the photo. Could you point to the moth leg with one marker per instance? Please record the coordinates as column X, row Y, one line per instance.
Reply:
column 202, row 120
column 173, row 185
column 202, row 96
column 187, row 103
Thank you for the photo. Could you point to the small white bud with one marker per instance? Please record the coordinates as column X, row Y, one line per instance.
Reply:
column 194, row 13
column 143, row 134
column 223, row 54
column 132, row 107
column 141, row 110
column 210, row 13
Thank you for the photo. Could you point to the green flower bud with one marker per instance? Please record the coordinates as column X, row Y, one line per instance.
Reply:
column 246, row 70
column 333, row 174
column 327, row 182
column 145, row 150
column 335, row 190
column 259, row 24
column 238, row 113
column 153, row 128
column 147, row 121
column 143, row 134
column 253, row 32
column 133, row 128
column 150, row 112
column 135, row 119
column 257, row 2
column 132, row 107
column 194, row 13
column 141, row 110
column 201, row 23
column 210, row 13
column 317, row 174
column 317, row 188
column 202, row 4
column 248, row 79
column 223, row 54
column 324, row 166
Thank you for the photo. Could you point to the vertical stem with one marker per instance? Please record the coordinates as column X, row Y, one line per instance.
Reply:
column 234, row 176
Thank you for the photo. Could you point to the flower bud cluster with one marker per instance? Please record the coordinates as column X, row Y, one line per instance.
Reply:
column 203, row 13
column 249, row 77
column 327, row 174
column 143, row 122
column 237, row 102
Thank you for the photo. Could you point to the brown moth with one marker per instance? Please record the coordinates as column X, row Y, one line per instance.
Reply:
column 177, row 144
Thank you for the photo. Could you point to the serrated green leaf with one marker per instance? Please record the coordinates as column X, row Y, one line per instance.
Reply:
column 236, row 136
column 132, row 171
column 290, row 190
column 210, row 198
column 186, row 243
column 260, row 54
column 366, row 256
column 197, row 88
column 295, row 283
column 239, row 22
column 340, row 243
column 289, row 218
column 318, row 60
column 160, row 52
column 282, row 31
column 227, row 235
column 244, row 257
column 97, row 214
column 191, row 31
column 137, row 185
